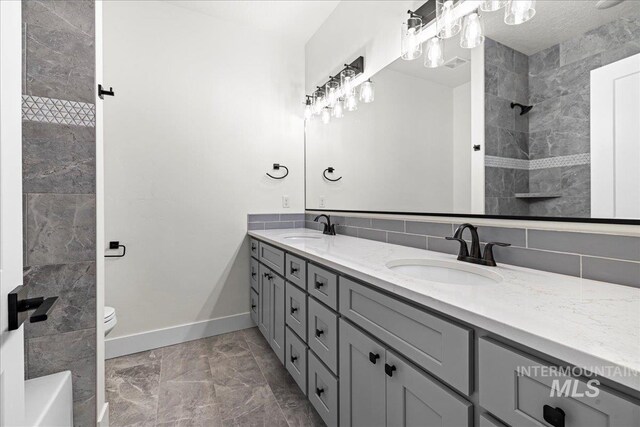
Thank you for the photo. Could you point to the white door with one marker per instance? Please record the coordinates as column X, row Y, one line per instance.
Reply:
column 615, row 139
column 11, row 342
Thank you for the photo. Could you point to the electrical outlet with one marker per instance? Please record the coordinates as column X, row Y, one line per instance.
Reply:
column 285, row 201
column 322, row 201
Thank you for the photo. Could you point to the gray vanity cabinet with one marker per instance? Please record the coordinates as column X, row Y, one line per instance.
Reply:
column 276, row 307
column 255, row 303
column 362, row 379
column 519, row 397
column 296, row 271
column 264, row 290
column 254, row 271
column 296, row 310
column 271, row 257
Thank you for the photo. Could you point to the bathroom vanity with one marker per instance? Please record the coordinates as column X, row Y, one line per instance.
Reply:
column 372, row 341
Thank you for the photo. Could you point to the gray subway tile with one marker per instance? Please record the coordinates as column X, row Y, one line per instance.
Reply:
column 300, row 224
column 514, row 236
column 292, row 217
column 278, row 225
column 539, row 260
column 387, row 224
column 347, row 231
column 403, row 239
column 312, row 225
column 600, row 245
column 263, row 217
column 379, row 235
column 429, row 228
column 255, row 226
column 438, row 244
column 608, row 270
column 358, row 222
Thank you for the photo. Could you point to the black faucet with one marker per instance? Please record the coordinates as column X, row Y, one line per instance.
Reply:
column 329, row 228
column 474, row 257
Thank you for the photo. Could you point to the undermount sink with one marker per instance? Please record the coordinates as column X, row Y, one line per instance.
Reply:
column 453, row 273
column 303, row 237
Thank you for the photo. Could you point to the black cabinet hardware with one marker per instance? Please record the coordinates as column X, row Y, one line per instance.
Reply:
column 319, row 391
column 19, row 304
column 294, row 270
column 253, row 306
column 253, row 274
column 319, row 285
column 373, row 358
column 294, row 309
column 253, row 247
column 330, row 170
column 102, row 92
column 319, row 332
column 476, row 147
column 554, row 416
column 276, row 167
column 388, row 369
column 268, row 276
column 115, row 245
column 293, row 359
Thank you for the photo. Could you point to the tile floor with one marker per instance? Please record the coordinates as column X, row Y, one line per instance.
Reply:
column 227, row 380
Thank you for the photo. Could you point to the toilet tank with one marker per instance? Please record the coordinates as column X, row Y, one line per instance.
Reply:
column 49, row 400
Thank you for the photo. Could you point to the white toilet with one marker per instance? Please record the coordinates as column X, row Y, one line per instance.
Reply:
column 110, row 319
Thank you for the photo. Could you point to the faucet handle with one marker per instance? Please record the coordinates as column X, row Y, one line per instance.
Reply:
column 464, row 251
column 488, row 252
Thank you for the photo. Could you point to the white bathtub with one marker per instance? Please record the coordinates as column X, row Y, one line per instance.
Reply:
column 49, row 400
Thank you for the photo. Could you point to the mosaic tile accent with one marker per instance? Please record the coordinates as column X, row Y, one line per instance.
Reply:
column 549, row 162
column 60, row 111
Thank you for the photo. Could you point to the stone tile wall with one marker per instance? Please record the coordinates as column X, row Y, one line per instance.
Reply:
column 59, row 174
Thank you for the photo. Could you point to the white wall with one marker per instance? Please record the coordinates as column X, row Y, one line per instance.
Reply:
column 202, row 109
column 462, row 148
column 395, row 154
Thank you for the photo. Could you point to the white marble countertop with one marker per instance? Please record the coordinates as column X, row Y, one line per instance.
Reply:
column 586, row 323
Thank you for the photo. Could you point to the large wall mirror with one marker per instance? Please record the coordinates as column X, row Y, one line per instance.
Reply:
column 542, row 120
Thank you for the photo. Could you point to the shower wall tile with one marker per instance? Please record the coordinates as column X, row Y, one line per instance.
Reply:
column 491, row 79
column 570, row 207
column 68, row 16
column 545, row 59
column 75, row 286
column 624, row 51
column 499, row 55
column 61, row 228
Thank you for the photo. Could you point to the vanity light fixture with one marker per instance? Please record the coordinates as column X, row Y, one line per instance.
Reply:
column 447, row 24
column 411, row 48
column 338, row 109
column 367, row 92
column 347, row 76
column 434, row 52
column 326, row 115
column 332, row 91
column 519, row 11
column 351, row 102
column 308, row 107
column 492, row 5
column 472, row 31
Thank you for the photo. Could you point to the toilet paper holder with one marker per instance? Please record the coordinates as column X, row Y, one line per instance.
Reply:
column 115, row 245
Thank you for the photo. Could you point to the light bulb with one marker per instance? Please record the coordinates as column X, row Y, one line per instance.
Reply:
column 351, row 102
column 472, row 33
column 519, row 11
column 411, row 48
column 331, row 94
column 308, row 110
column 367, row 92
column 434, row 52
column 347, row 77
column 319, row 103
column 447, row 23
column 338, row 110
column 326, row 115
column 492, row 5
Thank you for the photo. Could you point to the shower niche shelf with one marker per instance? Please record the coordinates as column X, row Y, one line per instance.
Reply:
column 537, row 195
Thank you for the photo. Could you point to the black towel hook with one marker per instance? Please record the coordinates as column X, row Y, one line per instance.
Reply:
column 330, row 170
column 277, row 166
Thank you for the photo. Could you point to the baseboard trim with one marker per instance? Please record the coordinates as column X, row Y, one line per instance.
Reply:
column 135, row 343
column 103, row 419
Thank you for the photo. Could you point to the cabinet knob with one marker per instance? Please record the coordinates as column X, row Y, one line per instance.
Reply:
column 294, row 270
column 319, row 332
column 319, row 391
column 319, row 285
column 294, row 309
column 253, row 306
column 253, row 247
column 554, row 416
column 293, row 359
column 388, row 369
column 373, row 358
column 253, row 274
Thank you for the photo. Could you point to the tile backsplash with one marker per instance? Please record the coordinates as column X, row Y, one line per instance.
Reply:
column 606, row 257
column 274, row 221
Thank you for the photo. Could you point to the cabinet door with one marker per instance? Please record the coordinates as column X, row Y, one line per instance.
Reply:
column 253, row 276
column 362, row 379
column 415, row 399
column 255, row 301
column 276, row 327
column 264, row 313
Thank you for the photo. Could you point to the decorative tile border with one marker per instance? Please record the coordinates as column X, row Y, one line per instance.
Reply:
column 549, row 162
column 59, row 111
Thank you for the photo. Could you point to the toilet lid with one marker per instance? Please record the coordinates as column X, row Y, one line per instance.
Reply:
column 109, row 312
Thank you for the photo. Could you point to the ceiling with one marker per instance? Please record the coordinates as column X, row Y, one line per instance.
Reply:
column 298, row 19
column 555, row 21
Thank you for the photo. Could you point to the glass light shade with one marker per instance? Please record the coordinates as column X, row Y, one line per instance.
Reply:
column 338, row 109
column 351, row 102
column 308, row 110
column 326, row 115
column 367, row 92
column 434, row 52
column 332, row 92
column 447, row 24
column 472, row 31
column 492, row 5
column 319, row 102
column 411, row 48
column 347, row 76
column 519, row 11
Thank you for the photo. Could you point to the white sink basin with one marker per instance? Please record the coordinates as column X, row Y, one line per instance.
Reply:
column 453, row 273
column 303, row 237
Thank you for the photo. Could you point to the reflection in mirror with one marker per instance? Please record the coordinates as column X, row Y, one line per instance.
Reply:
column 559, row 113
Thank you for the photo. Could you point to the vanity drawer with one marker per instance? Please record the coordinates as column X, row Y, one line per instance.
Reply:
column 254, row 305
column 439, row 346
column 254, row 270
column 487, row 420
column 296, row 270
column 323, row 390
column 272, row 257
column 296, row 310
column 296, row 360
column 253, row 247
column 323, row 333
column 323, row 285
column 516, row 387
